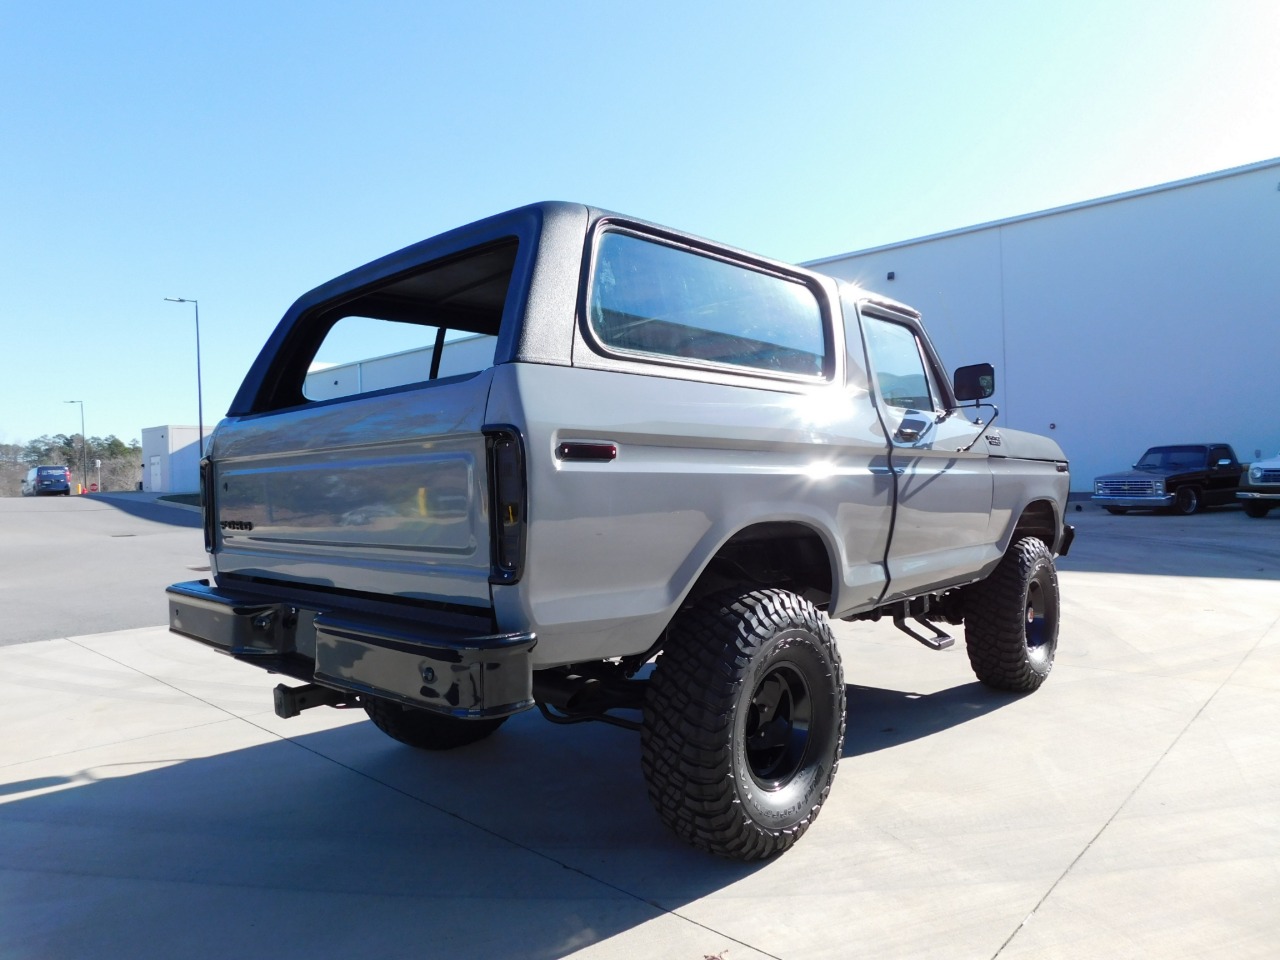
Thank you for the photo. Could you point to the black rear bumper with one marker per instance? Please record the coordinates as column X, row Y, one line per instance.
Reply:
column 419, row 663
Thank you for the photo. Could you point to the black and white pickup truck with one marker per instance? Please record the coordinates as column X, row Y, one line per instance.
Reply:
column 569, row 460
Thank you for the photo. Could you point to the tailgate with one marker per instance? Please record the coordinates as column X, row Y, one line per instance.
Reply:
column 382, row 494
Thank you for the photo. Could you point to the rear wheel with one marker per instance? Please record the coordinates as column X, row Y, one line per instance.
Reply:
column 744, row 723
column 424, row 729
column 1011, row 619
column 1256, row 509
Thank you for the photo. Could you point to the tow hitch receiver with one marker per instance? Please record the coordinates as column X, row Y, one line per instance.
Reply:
column 291, row 701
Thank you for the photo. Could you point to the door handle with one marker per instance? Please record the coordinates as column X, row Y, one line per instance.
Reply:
column 911, row 429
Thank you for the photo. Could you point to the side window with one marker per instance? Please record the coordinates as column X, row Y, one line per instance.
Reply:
column 653, row 299
column 439, row 322
column 898, row 367
column 364, row 354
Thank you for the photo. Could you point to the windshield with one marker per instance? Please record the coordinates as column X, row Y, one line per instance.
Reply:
column 1173, row 458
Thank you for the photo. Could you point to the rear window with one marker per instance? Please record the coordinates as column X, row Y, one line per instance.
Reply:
column 439, row 322
column 668, row 302
column 52, row 472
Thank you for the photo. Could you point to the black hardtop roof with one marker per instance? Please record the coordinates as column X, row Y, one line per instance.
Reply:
column 518, row 222
column 526, row 224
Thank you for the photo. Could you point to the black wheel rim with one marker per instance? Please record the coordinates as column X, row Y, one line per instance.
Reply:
column 778, row 726
column 1039, row 628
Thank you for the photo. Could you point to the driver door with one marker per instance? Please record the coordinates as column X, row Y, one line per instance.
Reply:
column 944, row 493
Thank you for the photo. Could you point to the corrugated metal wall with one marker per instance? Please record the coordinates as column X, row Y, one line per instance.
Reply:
column 1151, row 317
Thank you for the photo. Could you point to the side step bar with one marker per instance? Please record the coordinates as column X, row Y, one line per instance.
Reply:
column 939, row 640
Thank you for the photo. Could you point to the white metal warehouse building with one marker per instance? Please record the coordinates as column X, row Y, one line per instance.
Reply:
column 171, row 458
column 1144, row 318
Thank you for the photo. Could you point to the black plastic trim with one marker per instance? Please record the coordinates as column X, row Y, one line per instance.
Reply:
column 506, row 564
column 589, row 452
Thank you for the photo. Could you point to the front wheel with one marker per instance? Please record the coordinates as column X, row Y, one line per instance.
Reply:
column 1116, row 511
column 744, row 722
column 423, row 728
column 1011, row 619
column 1186, row 501
column 1256, row 509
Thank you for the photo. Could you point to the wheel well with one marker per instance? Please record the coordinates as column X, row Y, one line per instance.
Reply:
column 1038, row 520
column 787, row 555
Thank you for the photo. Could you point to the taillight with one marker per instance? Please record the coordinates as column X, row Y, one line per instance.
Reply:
column 507, row 503
column 206, row 503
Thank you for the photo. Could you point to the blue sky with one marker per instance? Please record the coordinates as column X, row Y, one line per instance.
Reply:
column 242, row 153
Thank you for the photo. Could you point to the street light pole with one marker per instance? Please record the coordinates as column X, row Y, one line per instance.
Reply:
column 84, row 455
column 199, row 388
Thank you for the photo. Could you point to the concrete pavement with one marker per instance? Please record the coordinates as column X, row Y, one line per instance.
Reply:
column 152, row 805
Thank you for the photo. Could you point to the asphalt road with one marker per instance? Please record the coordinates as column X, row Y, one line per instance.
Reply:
column 1220, row 542
column 91, row 564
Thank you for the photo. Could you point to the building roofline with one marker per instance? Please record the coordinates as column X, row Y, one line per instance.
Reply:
column 1053, row 211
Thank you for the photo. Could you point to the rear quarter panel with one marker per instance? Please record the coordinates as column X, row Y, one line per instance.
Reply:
column 614, row 547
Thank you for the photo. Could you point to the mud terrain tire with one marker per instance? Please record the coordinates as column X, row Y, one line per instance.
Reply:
column 744, row 722
column 1011, row 619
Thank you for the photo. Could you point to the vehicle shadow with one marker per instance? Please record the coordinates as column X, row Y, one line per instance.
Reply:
column 148, row 508
column 345, row 843
column 878, row 719
column 535, row 843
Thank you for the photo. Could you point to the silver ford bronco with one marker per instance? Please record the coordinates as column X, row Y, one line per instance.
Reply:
column 566, row 459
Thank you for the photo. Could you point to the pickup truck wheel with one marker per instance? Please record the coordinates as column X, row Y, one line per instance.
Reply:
column 744, row 722
column 1011, row 619
column 1116, row 511
column 424, row 729
column 1186, row 501
column 1257, row 510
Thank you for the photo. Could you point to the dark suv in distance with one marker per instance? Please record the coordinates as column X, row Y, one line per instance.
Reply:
column 47, row 481
column 1184, row 478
